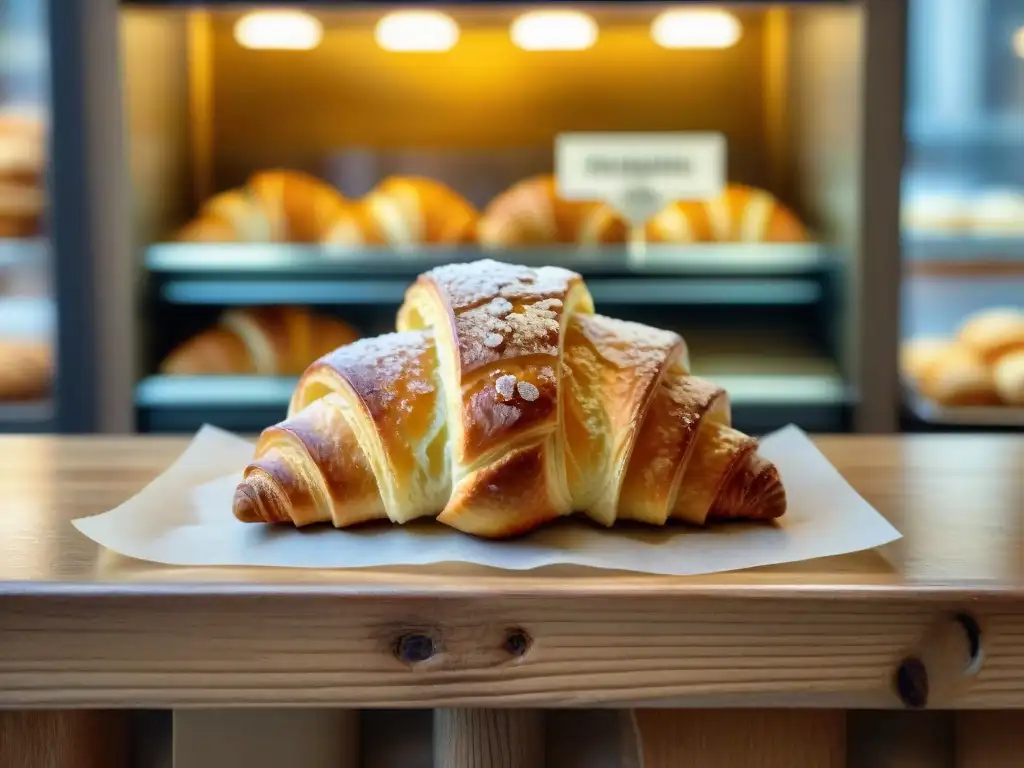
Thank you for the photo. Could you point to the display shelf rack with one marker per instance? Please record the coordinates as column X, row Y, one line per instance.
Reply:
column 967, row 253
column 931, row 414
column 256, row 274
column 23, row 253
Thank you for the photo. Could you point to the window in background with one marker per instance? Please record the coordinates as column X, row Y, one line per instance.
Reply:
column 26, row 306
column 963, row 213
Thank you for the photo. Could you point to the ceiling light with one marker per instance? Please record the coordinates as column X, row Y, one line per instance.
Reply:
column 279, row 30
column 417, row 31
column 696, row 29
column 551, row 30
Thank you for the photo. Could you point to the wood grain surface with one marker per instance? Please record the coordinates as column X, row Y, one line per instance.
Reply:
column 82, row 627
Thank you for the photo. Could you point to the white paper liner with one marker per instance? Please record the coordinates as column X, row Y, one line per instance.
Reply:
column 184, row 518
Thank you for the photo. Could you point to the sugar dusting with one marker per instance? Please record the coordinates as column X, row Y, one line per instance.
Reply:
column 499, row 307
column 503, row 311
column 528, row 391
column 506, row 386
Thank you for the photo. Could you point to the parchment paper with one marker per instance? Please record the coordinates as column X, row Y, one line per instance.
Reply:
column 184, row 518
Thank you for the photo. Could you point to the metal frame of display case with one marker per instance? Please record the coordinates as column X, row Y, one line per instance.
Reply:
column 92, row 265
column 97, row 271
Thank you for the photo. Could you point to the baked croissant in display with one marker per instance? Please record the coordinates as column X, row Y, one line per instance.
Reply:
column 740, row 214
column 503, row 402
column 532, row 213
column 273, row 207
column 406, row 210
column 269, row 341
column 982, row 365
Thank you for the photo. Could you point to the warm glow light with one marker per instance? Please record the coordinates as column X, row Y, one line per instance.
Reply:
column 279, row 30
column 551, row 30
column 417, row 31
column 696, row 29
column 1018, row 42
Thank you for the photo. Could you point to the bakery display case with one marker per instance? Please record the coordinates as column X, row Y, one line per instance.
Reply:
column 963, row 216
column 26, row 305
column 295, row 169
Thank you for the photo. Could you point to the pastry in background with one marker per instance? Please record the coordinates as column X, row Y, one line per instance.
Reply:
column 234, row 216
column 951, row 375
column 22, row 165
column 743, row 214
column 299, row 207
column 946, row 213
column 993, row 332
column 26, row 370
column 917, row 356
column 982, row 365
column 998, row 212
column 403, row 211
column 532, row 213
column 269, row 341
column 684, row 221
column 1008, row 373
column 274, row 206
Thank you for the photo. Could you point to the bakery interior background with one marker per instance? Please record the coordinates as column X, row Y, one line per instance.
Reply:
column 291, row 172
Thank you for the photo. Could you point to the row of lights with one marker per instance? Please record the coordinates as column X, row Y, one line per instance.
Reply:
column 542, row 30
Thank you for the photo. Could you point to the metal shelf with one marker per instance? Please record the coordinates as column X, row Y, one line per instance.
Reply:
column 955, row 247
column 727, row 274
column 29, row 253
column 255, row 259
column 247, row 404
column 30, row 417
column 980, row 417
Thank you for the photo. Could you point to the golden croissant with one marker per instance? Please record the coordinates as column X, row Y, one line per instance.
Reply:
column 503, row 402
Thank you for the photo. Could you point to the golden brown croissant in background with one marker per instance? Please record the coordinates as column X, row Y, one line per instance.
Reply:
column 273, row 207
column 502, row 403
column 532, row 213
column 26, row 369
column 269, row 341
column 739, row 214
column 406, row 210
column 982, row 365
column 22, row 163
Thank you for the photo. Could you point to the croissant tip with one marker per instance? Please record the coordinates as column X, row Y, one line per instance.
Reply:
column 246, row 506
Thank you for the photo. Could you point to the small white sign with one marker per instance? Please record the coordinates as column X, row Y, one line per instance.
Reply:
column 638, row 174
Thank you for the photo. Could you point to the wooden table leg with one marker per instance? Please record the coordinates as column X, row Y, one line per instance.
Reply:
column 64, row 739
column 266, row 738
column 488, row 738
column 684, row 738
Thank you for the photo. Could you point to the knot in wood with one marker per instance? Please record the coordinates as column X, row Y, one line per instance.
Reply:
column 912, row 683
column 517, row 642
column 414, row 648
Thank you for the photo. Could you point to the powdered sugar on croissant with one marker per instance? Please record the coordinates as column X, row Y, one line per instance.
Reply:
column 502, row 403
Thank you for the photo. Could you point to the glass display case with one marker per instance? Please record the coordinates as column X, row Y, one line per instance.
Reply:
column 293, row 170
column 963, row 215
column 27, row 311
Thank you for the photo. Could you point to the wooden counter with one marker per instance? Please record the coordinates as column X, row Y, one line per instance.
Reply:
column 84, row 627
column 81, row 627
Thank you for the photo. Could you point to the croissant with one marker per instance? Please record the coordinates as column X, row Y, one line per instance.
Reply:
column 234, row 216
column 501, row 403
column 26, row 370
column 274, row 206
column 271, row 341
column 739, row 214
column 532, row 213
column 406, row 210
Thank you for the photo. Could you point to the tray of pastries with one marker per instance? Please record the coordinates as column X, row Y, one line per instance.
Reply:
column 283, row 206
column 975, row 377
